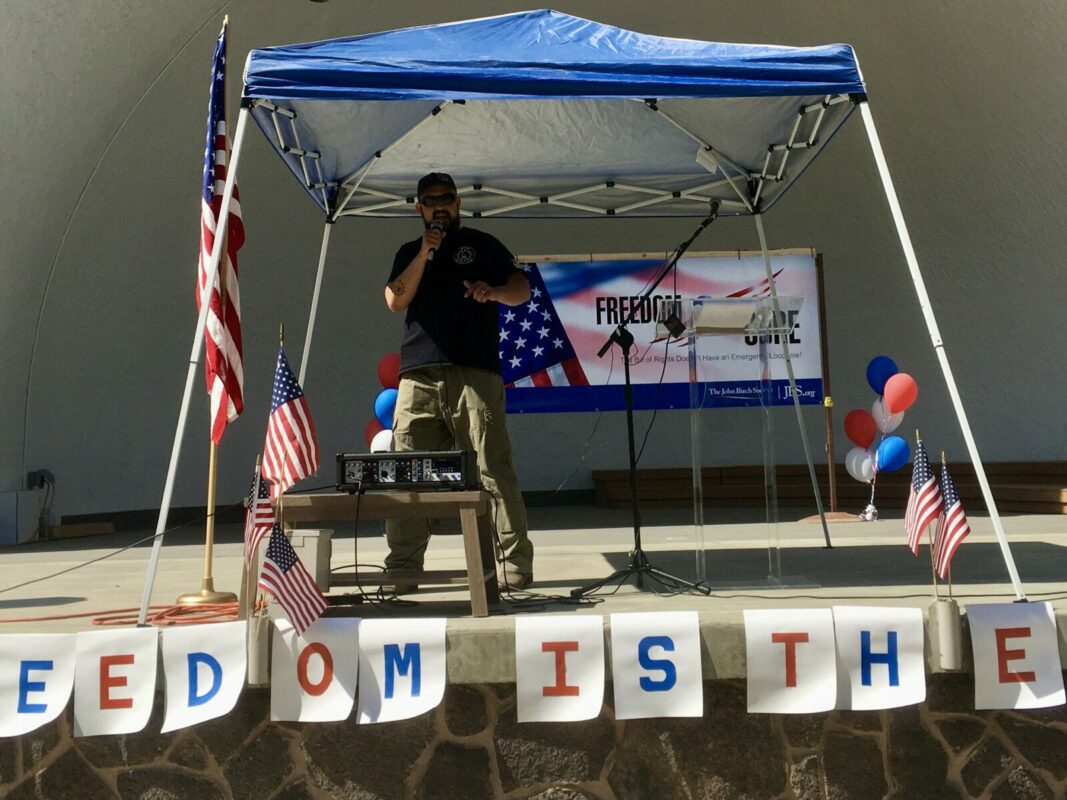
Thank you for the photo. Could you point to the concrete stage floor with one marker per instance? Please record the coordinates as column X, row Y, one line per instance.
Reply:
column 576, row 545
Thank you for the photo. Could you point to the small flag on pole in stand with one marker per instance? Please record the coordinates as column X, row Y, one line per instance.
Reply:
column 952, row 526
column 286, row 578
column 223, row 356
column 924, row 498
column 291, row 451
column 260, row 516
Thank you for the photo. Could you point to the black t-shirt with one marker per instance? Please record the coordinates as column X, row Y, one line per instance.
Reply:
column 443, row 327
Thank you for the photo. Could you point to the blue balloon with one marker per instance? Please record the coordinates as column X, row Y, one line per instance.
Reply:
column 384, row 406
column 881, row 369
column 893, row 453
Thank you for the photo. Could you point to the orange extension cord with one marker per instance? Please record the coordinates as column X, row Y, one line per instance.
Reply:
column 158, row 615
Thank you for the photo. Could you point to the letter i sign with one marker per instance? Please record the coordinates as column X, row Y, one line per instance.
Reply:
column 559, row 668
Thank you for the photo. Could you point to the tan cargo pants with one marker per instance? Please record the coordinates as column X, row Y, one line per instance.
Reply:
column 453, row 407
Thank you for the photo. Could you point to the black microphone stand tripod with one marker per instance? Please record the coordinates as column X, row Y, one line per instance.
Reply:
column 640, row 567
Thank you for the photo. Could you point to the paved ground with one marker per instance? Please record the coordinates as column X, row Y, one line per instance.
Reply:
column 576, row 545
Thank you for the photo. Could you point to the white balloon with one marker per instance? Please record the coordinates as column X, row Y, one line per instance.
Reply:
column 867, row 466
column 859, row 463
column 382, row 442
column 886, row 422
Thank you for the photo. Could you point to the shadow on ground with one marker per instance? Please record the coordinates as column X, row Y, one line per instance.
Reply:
column 869, row 565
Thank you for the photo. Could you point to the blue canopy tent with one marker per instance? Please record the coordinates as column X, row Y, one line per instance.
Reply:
column 543, row 114
column 548, row 115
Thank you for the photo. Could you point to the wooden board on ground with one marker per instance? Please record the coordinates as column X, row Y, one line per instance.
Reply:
column 80, row 529
column 1025, row 487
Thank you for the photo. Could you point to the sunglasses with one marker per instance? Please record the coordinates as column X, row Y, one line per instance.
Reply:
column 434, row 200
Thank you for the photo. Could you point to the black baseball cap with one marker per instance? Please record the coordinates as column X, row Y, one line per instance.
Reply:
column 435, row 179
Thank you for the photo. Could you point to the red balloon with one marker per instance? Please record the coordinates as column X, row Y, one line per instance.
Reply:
column 372, row 429
column 900, row 392
column 860, row 427
column 389, row 371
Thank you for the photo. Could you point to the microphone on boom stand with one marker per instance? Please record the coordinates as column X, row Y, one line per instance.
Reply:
column 640, row 567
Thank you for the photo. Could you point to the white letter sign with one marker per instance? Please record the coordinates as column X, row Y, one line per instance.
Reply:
column 655, row 663
column 402, row 668
column 792, row 663
column 205, row 670
column 313, row 677
column 114, row 680
column 36, row 677
column 880, row 660
column 559, row 668
column 1016, row 656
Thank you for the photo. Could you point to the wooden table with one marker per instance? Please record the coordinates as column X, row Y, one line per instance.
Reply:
column 472, row 507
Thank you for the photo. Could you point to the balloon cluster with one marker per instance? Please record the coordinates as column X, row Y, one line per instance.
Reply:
column 896, row 392
column 378, row 432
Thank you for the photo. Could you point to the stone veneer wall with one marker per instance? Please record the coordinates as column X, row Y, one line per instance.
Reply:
column 472, row 747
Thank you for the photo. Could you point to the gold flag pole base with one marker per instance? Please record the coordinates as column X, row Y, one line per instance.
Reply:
column 831, row 516
column 206, row 596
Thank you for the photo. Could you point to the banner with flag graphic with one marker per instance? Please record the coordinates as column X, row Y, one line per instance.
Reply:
column 924, row 498
column 291, row 451
column 534, row 348
column 224, row 355
column 286, row 578
column 548, row 346
column 952, row 526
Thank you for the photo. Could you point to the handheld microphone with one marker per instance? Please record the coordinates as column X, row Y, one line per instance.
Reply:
column 436, row 225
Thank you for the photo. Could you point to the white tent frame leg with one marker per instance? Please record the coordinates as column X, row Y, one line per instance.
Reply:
column 939, row 345
column 194, row 361
column 792, row 378
column 315, row 299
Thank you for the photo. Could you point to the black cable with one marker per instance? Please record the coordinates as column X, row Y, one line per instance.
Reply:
column 585, row 450
column 662, row 372
column 521, row 598
column 655, row 405
column 107, row 555
column 311, row 489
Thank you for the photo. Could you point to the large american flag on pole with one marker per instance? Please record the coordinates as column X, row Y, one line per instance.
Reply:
column 924, row 498
column 952, row 526
column 534, row 348
column 288, row 580
column 223, row 356
column 291, row 451
column 259, row 518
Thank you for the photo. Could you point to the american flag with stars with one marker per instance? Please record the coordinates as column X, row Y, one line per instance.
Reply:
column 952, row 526
column 924, row 498
column 289, row 582
column 534, row 348
column 259, row 518
column 224, row 356
column 291, row 452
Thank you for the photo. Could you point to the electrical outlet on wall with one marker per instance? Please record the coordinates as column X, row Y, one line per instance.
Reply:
column 37, row 478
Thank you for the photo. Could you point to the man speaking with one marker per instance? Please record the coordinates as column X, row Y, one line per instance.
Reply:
column 450, row 281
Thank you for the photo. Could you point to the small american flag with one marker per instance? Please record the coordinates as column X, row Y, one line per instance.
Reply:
column 259, row 518
column 924, row 498
column 286, row 578
column 534, row 348
column 291, row 452
column 223, row 357
column 952, row 527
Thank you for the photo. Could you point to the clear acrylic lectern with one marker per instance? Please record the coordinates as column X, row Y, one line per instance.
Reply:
column 704, row 318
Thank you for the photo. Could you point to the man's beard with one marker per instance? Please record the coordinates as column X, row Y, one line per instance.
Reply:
column 450, row 223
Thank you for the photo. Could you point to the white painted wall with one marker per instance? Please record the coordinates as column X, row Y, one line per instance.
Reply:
column 103, row 117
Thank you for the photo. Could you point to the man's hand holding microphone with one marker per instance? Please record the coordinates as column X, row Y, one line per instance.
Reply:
column 432, row 237
column 479, row 291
